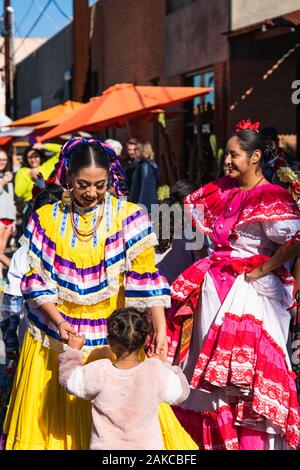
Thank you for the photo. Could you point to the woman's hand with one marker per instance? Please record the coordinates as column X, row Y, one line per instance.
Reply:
column 159, row 347
column 38, row 146
column 65, row 330
column 76, row 341
column 257, row 273
column 159, row 344
column 151, row 352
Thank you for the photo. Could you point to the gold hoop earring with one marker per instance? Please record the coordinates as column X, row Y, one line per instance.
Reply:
column 67, row 196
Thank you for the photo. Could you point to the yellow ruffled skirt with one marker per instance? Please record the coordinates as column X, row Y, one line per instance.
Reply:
column 42, row 416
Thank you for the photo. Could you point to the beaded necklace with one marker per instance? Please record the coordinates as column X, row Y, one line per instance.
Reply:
column 86, row 236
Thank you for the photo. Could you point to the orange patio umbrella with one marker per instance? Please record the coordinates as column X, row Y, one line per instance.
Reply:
column 46, row 126
column 46, row 114
column 120, row 103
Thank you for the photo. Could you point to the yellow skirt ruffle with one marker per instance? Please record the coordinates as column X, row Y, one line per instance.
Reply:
column 42, row 416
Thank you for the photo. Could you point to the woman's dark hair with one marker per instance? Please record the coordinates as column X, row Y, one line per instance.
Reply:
column 86, row 155
column 128, row 328
column 51, row 194
column 250, row 141
column 31, row 149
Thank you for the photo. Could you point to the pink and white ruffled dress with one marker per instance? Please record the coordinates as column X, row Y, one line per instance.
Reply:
column 243, row 389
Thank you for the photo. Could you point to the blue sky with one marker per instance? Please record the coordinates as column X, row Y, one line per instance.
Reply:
column 52, row 21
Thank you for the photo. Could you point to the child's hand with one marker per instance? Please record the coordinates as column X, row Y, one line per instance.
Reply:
column 76, row 341
column 151, row 353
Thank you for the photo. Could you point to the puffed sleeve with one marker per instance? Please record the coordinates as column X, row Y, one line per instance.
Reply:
column 282, row 231
column 38, row 285
column 36, row 291
column 145, row 286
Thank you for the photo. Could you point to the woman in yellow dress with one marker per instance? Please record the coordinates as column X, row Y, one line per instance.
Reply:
column 89, row 255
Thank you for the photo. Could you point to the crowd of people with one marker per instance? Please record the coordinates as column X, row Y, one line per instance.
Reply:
column 202, row 338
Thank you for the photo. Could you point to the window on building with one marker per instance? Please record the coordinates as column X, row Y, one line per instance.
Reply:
column 36, row 105
column 173, row 5
column 202, row 79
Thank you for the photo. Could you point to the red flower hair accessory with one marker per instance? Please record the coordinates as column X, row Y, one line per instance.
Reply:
column 247, row 125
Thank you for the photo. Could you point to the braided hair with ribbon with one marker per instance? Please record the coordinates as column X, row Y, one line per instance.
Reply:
column 116, row 172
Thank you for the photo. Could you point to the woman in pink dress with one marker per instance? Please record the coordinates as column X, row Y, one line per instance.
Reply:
column 229, row 323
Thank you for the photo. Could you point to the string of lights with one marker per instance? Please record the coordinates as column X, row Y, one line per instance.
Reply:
column 267, row 75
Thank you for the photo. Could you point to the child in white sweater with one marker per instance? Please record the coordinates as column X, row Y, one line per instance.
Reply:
column 125, row 394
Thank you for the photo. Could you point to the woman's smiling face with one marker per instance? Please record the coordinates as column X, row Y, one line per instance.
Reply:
column 237, row 161
column 89, row 186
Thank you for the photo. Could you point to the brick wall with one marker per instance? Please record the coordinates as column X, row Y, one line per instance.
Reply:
column 128, row 42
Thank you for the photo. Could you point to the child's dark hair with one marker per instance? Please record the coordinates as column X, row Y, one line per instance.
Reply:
column 179, row 191
column 129, row 328
column 51, row 194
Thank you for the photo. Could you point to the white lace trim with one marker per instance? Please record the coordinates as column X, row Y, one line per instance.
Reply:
column 38, row 301
column 148, row 242
column 36, row 263
column 90, row 299
column 46, row 340
column 164, row 301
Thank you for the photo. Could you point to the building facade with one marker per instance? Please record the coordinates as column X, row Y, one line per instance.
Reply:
column 23, row 48
column 43, row 79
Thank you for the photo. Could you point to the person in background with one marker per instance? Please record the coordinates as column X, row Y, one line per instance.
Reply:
column 7, row 207
column 119, row 421
column 145, row 179
column 172, row 255
column 116, row 145
column 280, row 157
column 133, row 153
column 35, row 167
column 35, row 163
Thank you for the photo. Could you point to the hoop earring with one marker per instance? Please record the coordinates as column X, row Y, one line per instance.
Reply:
column 67, row 197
